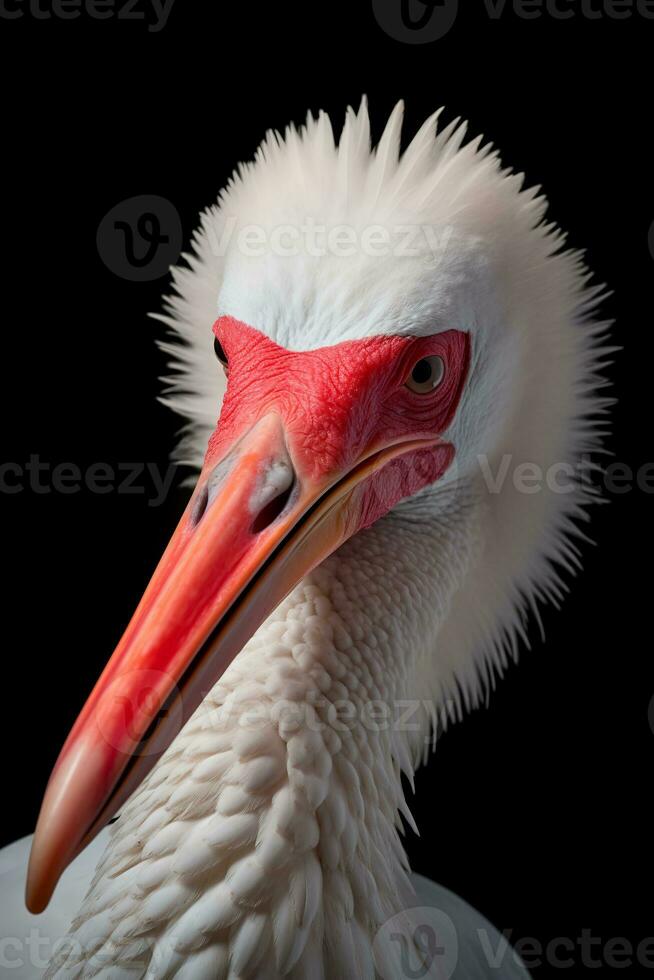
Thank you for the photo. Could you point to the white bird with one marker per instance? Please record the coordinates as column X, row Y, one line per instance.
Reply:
column 400, row 333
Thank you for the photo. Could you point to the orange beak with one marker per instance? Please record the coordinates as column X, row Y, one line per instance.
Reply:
column 252, row 530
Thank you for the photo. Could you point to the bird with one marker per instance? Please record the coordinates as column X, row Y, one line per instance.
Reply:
column 368, row 344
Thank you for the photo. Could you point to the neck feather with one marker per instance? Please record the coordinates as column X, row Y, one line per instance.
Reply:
column 273, row 820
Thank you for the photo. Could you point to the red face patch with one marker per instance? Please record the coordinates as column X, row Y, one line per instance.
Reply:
column 342, row 402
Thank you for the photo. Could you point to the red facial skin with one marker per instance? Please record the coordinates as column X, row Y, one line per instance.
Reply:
column 339, row 402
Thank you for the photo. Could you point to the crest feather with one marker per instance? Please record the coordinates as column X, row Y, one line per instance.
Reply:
column 498, row 269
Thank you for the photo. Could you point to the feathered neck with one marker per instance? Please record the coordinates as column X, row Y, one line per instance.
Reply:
column 268, row 836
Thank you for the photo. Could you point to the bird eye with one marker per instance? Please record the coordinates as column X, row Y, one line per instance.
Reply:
column 426, row 375
column 220, row 353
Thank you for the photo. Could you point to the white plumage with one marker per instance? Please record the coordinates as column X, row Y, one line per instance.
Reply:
column 265, row 842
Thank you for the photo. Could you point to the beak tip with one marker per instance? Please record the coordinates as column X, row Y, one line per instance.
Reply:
column 47, row 861
column 39, row 886
column 35, row 902
column 56, row 838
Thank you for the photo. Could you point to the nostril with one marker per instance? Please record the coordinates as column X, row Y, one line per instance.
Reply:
column 274, row 486
column 199, row 506
column 271, row 511
column 273, row 494
column 209, row 491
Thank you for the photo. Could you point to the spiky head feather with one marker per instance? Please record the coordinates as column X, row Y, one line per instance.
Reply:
column 437, row 237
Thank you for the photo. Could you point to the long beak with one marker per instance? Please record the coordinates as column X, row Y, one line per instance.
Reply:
column 252, row 530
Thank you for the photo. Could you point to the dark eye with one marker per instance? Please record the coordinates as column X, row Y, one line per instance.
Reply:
column 426, row 375
column 220, row 353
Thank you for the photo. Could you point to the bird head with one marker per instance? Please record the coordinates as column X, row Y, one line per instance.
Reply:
column 365, row 326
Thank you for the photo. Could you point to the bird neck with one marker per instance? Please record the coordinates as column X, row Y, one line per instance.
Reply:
column 272, row 821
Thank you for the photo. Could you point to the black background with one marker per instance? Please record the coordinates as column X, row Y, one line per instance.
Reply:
column 537, row 810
